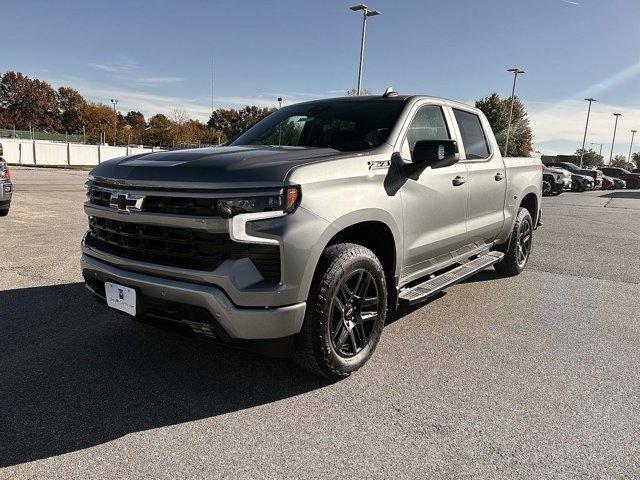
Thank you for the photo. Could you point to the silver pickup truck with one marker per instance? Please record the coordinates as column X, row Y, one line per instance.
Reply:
column 308, row 228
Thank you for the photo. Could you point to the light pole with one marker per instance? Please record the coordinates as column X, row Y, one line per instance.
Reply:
column 633, row 134
column 115, row 120
column 280, row 124
column 584, row 139
column 365, row 13
column 613, row 142
column 601, row 144
column 516, row 72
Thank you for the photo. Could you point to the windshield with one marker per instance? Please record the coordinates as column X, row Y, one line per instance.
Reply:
column 347, row 126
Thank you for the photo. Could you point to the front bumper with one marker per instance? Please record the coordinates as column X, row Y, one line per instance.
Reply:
column 561, row 186
column 169, row 297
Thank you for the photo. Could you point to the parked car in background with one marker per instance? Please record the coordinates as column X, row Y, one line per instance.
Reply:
column 632, row 179
column 582, row 183
column 618, row 184
column 595, row 174
column 558, row 180
column 6, row 187
column 608, row 183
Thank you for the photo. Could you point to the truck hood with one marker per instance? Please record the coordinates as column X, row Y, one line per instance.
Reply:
column 210, row 168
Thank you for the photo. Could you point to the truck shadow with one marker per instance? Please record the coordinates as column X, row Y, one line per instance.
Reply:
column 74, row 375
column 622, row 194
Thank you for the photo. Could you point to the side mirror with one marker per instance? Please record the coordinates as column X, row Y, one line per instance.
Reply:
column 435, row 153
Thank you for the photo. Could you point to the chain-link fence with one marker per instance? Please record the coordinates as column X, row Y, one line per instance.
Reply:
column 33, row 135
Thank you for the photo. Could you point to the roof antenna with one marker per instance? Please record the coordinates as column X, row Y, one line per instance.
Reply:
column 389, row 92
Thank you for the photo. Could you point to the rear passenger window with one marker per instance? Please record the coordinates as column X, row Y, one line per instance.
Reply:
column 428, row 124
column 473, row 139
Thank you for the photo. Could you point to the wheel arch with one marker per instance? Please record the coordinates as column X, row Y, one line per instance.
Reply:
column 374, row 229
column 531, row 203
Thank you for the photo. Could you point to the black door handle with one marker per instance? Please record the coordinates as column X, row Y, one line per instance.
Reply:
column 499, row 176
column 459, row 181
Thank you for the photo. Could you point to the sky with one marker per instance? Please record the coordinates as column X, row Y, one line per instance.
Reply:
column 155, row 56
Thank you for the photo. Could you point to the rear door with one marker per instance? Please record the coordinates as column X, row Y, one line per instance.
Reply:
column 434, row 200
column 487, row 177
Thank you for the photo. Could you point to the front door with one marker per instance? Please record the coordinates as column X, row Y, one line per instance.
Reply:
column 434, row 201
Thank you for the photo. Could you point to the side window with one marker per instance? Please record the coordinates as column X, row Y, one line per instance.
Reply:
column 428, row 124
column 473, row 139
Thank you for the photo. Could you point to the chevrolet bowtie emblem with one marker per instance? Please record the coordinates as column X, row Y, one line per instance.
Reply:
column 126, row 202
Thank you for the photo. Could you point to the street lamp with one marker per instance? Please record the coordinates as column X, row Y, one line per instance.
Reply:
column 584, row 139
column 633, row 134
column 516, row 72
column 613, row 142
column 115, row 120
column 365, row 13
column 601, row 145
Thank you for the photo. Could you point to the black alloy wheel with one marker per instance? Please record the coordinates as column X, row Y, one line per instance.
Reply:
column 354, row 312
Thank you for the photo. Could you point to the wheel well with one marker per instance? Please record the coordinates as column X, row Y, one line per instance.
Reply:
column 530, row 202
column 377, row 237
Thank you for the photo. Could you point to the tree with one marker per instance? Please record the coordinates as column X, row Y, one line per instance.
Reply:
column 620, row 161
column 232, row 122
column 591, row 158
column 496, row 110
column 5, row 122
column 135, row 120
column 352, row 92
column 98, row 118
column 26, row 102
column 72, row 109
column 136, row 123
column 635, row 158
column 159, row 133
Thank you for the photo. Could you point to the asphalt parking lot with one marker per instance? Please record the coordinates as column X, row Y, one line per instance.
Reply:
column 529, row 377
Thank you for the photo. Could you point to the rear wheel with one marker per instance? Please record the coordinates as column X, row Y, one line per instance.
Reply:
column 4, row 213
column 345, row 313
column 518, row 248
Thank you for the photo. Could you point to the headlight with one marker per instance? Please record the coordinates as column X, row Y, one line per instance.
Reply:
column 287, row 201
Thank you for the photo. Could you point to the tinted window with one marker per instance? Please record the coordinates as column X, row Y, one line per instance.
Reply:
column 473, row 139
column 342, row 125
column 428, row 124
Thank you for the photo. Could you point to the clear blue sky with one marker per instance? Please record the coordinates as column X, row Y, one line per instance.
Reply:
column 156, row 55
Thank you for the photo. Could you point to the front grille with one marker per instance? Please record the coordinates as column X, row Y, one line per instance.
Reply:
column 178, row 247
column 202, row 207
column 99, row 197
column 195, row 206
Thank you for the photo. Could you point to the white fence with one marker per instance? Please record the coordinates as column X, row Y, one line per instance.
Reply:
column 43, row 152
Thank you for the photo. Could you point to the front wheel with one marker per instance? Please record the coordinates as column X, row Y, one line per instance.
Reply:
column 345, row 313
column 518, row 248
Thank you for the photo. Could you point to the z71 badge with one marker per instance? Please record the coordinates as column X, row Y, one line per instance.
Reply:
column 378, row 165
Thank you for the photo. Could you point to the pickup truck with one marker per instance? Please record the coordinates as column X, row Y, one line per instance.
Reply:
column 6, row 187
column 308, row 228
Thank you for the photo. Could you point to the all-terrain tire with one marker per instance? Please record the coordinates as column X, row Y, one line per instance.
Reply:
column 314, row 349
column 515, row 259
